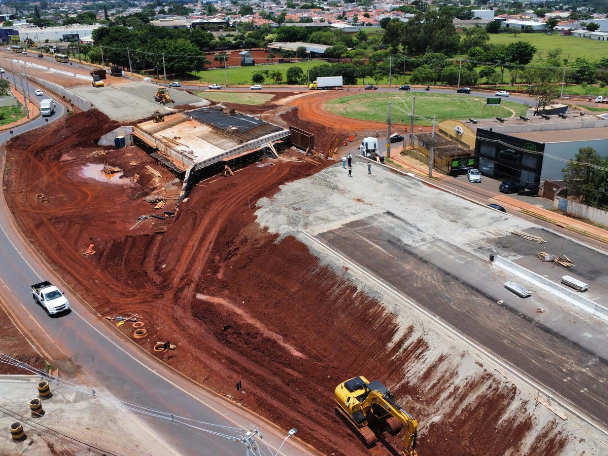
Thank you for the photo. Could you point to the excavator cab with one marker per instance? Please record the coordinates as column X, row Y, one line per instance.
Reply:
column 363, row 404
column 162, row 96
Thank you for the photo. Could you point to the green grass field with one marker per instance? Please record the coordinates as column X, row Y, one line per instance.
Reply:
column 571, row 46
column 374, row 107
column 242, row 75
column 11, row 114
column 234, row 97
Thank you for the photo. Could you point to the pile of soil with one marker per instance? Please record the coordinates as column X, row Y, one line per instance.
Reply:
column 239, row 304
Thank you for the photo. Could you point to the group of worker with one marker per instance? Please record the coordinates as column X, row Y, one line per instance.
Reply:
column 349, row 159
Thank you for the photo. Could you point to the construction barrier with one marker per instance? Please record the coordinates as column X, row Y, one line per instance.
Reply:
column 44, row 389
column 36, row 408
column 17, row 432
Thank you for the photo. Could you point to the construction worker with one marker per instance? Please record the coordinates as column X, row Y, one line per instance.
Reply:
column 369, row 167
column 350, row 160
column 350, row 171
column 344, row 161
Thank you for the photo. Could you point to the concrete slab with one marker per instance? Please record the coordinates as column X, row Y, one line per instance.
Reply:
column 133, row 101
column 73, row 423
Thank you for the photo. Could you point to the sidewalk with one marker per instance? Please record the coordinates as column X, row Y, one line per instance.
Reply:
column 526, row 208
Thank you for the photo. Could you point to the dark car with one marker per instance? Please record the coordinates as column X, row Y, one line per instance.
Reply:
column 40, row 56
column 511, row 187
column 497, row 207
column 371, row 87
column 463, row 90
column 396, row 137
column 404, row 87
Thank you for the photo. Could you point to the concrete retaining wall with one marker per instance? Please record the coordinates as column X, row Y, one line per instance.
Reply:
column 570, row 296
column 580, row 210
column 108, row 138
column 70, row 97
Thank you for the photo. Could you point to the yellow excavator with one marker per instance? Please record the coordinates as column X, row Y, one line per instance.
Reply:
column 364, row 403
column 162, row 96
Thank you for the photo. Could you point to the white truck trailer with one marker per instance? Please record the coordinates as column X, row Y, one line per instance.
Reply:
column 327, row 82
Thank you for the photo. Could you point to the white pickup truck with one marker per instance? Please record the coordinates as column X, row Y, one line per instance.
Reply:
column 49, row 297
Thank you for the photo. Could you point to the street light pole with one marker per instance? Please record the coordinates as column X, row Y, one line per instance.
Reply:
column 563, row 82
column 225, row 70
column 164, row 69
column 390, row 77
column 291, row 432
column 388, row 134
column 432, row 155
column 130, row 67
column 308, row 72
column 412, row 122
column 459, row 68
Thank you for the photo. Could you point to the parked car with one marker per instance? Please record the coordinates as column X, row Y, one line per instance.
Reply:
column 1, row 70
column 502, row 93
column 497, row 207
column 396, row 137
column 24, row 52
column 474, row 175
column 40, row 55
column 215, row 86
column 511, row 187
column 38, row 92
column 463, row 90
column 175, row 84
column 371, row 87
column 404, row 87
column 256, row 87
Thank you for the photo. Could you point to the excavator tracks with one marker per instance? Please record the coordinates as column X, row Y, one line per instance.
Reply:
column 365, row 433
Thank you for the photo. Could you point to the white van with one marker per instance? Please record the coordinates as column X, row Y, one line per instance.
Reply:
column 47, row 107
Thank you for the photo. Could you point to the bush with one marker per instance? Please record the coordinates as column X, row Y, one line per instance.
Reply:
column 423, row 76
column 257, row 78
column 294, row 75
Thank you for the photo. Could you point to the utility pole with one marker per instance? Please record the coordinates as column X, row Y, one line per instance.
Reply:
column 225, row 70
column 459, row 68
column 129, row 56
column 390, row 81
column 101, row 48
column 27, row 84
column 78, row 45
column 388, row 134
column 164, row 69
column 412, row 122
column 432, row 156
column 308, row 72
column 13, row 71
column 563, row 82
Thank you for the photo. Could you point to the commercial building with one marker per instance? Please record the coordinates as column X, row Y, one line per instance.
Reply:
column 537, row 149
column 55, row 34
column 484, row 14
column 530, row 25
column 6, row 33
column 316, row 50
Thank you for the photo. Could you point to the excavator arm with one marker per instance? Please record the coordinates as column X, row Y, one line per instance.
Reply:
column 409, row 423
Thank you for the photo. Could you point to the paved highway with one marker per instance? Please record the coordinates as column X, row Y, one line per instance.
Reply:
column 106, row 360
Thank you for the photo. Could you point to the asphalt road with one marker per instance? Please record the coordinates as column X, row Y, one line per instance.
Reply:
column 463, row 290
column 110, row 363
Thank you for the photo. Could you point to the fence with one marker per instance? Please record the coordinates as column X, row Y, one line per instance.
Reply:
column 581, row 210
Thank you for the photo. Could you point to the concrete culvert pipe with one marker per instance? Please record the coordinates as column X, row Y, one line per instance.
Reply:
column 160, row 347
column 140, row 333
column 44, row 390
column 17, row 432
column 138, row 324
column 36, row 408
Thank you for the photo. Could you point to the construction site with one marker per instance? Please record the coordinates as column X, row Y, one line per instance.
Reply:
column 228, row 230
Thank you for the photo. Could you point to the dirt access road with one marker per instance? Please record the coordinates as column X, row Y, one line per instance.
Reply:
column 239, row 305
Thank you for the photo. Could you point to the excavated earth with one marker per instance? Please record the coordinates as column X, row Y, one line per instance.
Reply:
column 242, row 305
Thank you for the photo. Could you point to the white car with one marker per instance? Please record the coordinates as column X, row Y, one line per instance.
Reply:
column 256, row 87
column 1, row 70
column 38, row 92
column 474, row 175
column 175, row 84
column 502, row 93
column 215, row 86
column 24, row 52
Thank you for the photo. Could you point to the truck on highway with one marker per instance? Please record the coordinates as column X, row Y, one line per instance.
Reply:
column 328, row 82
column 115, row 70
column 369, row 149
column 47, row 107
column 601, row 99
column 50, row 298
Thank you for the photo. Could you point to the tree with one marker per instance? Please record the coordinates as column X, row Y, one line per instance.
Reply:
column 277, row 76
column 592, row 26
column 105, row 12
column 584, row 71
column 210, row 10
column 431, row 31
column 552, row 23
column 301, row 51
column 394, row 32
column 361, row 36
column 246, row 10
column 366, row 15
column 493, row 27
column 7, row 24
column 423, row 76
column 294, row 75
column 355, row 19
column 545, row 93
column 44, row 4
column 587, row 178
column 474, row 37
column 36, row 12
column 5, row 88
column 384, row 22
column 487, row 72
column 257, row 78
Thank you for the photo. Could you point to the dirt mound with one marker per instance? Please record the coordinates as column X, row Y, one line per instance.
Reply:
column 239, row 304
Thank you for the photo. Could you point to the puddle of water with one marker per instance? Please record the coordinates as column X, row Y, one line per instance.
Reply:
column 95, row 171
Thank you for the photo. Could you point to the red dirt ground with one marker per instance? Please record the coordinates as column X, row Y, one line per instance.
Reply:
column 14, row 343
column 239, row 305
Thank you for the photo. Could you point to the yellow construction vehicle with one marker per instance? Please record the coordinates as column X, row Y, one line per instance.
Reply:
column 157, row 117
column 162, row 96
column 364, row 403
column 97, row 82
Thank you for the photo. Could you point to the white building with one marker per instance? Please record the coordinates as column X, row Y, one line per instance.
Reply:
column 485, row 14
column 599, row 36
column 580, row 33
column 54, row 34
column 536, row 26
